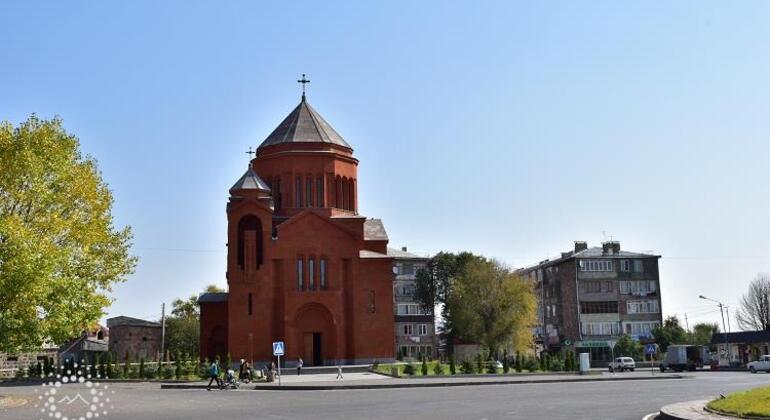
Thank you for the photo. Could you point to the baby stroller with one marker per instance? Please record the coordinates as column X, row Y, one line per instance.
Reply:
column 230, row 382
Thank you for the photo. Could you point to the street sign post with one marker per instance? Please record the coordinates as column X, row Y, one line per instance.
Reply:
column 651, row 350
column 611, row 345
column 279, row 350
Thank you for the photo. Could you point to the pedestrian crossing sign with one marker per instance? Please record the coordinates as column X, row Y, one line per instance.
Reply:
column 651, row 349
column 278, row 348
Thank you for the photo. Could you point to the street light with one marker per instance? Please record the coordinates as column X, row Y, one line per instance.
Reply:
column 724, row 329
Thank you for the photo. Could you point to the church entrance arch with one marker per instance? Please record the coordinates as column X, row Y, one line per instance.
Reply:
column 315, row 334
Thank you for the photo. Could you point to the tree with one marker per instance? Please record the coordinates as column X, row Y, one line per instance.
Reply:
column 434, row 284
column 702, row 332
column 754, row 312
column 671, row 332
column 183, row 325
column 60, row 252
column 628, row 347
column 491, row 305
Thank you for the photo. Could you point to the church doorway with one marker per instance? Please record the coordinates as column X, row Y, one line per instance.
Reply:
column 312, row 352
column 315, row 334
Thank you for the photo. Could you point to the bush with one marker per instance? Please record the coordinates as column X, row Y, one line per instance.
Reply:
column 491, row 367
column 438, row 368
column 178, row 367
column 20, row 373
column 556, row 365
column 569, row 361
column 530, row 363
column 518, row 362
column 409, row 369
column 506, row 363
column 467, row 367
column 452, row 367
column 479, row 366
column 168, row 372
column 375, row 365
column 424, row 368
column 141, row 368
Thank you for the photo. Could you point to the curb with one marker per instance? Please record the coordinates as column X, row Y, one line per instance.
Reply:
column 420, row 385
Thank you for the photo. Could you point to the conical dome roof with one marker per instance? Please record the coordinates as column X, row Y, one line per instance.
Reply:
column 250, row 181
column 304, row 125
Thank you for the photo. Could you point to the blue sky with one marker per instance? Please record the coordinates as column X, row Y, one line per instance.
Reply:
column 505, row 128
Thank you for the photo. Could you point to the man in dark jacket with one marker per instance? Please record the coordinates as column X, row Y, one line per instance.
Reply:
column 214, row 374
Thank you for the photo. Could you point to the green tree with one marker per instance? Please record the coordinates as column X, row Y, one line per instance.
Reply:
column 434, row 285
column 628, row 347
column 452, row 367
column 183, row 325
column 59, row 250
column 424, row 368
column 702, row 332
column 492, row 306
column 671, row 332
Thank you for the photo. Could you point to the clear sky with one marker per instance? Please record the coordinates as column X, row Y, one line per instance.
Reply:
column 509, row 129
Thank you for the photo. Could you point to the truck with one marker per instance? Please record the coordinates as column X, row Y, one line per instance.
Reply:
column 763, row 363
column 685, row 357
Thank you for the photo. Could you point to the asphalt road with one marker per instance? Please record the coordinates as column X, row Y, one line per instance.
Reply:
column 594, row 400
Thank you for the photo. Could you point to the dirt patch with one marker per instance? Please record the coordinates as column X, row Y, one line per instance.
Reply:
column 11, row 402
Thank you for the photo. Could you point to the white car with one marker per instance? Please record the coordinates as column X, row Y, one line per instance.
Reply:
column 762, row 364
column 622, row 364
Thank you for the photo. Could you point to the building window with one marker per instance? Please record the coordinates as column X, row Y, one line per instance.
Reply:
column 249, row 225
column 600, row 328
column 643, row 307
column 322, row 273
column 408, row 329
column 372, row 307
column 250, row 305
column 638, row 287
column 309, row 192
column 638, row 266
column 298, row 193
column 592, row 286
column 422, row 329
column 277, row 194
column 640, row 329
column 311, row 274
column 599, row 307
column 596, row 265
column 625, row 265
column 320, row 191
column 300, row 279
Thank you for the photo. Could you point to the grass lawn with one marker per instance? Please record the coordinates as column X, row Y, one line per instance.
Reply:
column 754, row 402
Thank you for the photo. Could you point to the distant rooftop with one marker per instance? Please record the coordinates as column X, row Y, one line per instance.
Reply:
column 132, row 322
column 404, row 254
column 212, row 297
column 374, row 230
column 609, row 249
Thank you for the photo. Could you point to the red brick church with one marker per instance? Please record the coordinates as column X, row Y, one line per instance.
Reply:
column 303, row 266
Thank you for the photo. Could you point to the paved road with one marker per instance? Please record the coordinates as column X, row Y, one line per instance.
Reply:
column 596, row 400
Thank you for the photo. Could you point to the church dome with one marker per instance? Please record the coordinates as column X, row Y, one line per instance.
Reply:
column 304, row 125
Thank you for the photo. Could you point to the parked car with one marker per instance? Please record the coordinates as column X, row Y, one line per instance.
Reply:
column 685, row 357
column 762, row 364
column 622, row 364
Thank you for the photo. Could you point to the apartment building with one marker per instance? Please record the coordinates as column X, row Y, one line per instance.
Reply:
column 415, row 332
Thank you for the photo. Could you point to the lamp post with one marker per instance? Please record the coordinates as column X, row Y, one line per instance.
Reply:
column 724, row 329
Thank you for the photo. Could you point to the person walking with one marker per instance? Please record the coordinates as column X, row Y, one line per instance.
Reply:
column 299, row 365
column 214, row 375
column 339, row 372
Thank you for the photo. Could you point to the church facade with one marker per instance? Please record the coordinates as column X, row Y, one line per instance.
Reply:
column 303, row 266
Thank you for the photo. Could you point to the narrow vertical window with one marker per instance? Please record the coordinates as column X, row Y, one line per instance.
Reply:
column 277, row 194
column 298, row 193
column 372, row 308
column 250, row 306
column 320, row 191
column 309, row 192
column 322, row 273
column 311, row 274
column 300, row 279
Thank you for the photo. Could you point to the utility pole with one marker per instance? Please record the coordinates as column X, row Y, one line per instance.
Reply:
column 686, row 323
column 727, row 309
column 724, row 334
column 162, row 331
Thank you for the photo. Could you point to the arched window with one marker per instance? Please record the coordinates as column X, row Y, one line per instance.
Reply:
column 277, row 194
column 300, row 279
column 311, row 274
column 250, row 305
column 309, row 192
column 249, row 225
column 298, row 193
column 345, row 204
column 322, row 273
column 320, row 191
column 352, row 194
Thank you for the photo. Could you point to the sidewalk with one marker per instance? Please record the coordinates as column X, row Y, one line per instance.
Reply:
column 376, row 381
